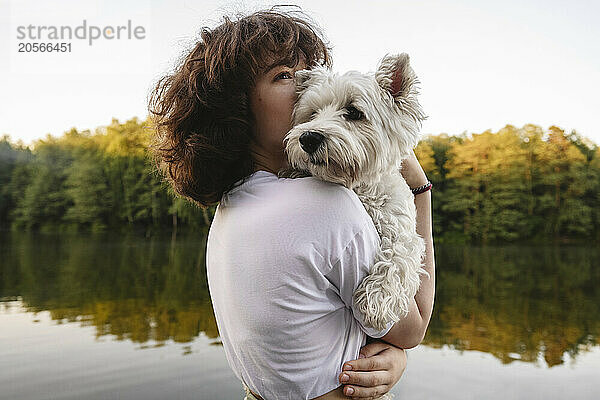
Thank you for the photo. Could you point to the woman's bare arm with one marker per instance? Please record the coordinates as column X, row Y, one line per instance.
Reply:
column 410, row 331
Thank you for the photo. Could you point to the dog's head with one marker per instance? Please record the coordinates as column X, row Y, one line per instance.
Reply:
column 350, row 127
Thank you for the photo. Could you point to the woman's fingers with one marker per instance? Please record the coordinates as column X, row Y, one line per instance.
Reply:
column 374, row 374
column 365, row 392
column 373, row 348
column 372, row 363
column 366, row 379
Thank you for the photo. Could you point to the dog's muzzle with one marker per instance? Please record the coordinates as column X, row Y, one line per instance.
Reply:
column 310, row 141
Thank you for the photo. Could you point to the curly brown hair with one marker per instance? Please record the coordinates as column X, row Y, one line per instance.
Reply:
column 200, row 113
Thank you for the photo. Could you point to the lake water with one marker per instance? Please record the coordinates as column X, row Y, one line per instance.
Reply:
column 129, row 317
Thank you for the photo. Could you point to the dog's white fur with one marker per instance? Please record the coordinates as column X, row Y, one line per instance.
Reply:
column 365, row 155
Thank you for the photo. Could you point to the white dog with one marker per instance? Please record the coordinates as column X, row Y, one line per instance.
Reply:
column 355, row 129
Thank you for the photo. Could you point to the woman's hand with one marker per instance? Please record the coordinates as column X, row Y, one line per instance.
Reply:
column 412, row 172
column 378, row 369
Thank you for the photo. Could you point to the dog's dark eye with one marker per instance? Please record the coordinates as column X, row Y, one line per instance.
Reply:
column 353, row 114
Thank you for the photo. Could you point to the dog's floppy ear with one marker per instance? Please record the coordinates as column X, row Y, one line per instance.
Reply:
column 396, row 76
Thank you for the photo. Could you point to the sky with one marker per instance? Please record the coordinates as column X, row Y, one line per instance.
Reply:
column 482, row 64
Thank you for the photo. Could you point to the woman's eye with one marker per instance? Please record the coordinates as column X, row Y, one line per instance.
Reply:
column 353, row 114
column 284, row 75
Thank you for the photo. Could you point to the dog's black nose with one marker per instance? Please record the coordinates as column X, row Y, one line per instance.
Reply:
column 310, row 141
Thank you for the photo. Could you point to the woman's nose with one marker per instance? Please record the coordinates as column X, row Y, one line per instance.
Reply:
column 310, row 141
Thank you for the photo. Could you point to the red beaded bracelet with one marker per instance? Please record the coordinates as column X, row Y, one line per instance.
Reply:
column 422, row 189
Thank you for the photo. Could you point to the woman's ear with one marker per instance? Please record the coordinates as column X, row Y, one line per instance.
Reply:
column 396, row 76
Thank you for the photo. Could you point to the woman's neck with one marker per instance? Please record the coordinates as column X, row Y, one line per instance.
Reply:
column 267, row 161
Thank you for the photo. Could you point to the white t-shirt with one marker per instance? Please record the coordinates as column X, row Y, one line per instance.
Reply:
column 284, row 257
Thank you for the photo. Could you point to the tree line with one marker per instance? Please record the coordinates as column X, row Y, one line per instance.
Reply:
column 84, row 181
column 514, row 184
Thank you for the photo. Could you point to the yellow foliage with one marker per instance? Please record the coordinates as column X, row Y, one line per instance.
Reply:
column 488, row 153
column 130, row 138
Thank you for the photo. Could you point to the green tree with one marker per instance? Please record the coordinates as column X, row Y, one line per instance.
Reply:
column 14, row 177
column 87, row 187
column 45, row 199
column 561, row 186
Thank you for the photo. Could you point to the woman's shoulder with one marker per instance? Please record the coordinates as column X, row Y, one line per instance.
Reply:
column 329, row 201
column 316, row 190
column 307, row 201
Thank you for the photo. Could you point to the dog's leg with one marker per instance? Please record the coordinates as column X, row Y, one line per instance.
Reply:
column 384, row 295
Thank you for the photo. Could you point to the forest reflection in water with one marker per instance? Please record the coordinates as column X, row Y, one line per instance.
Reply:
column 528, row 303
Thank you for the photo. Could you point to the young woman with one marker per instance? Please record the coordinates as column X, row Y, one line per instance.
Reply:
column 283, row 255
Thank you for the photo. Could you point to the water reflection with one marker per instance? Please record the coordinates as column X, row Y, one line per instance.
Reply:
column 132, row 287
column 517, row 303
